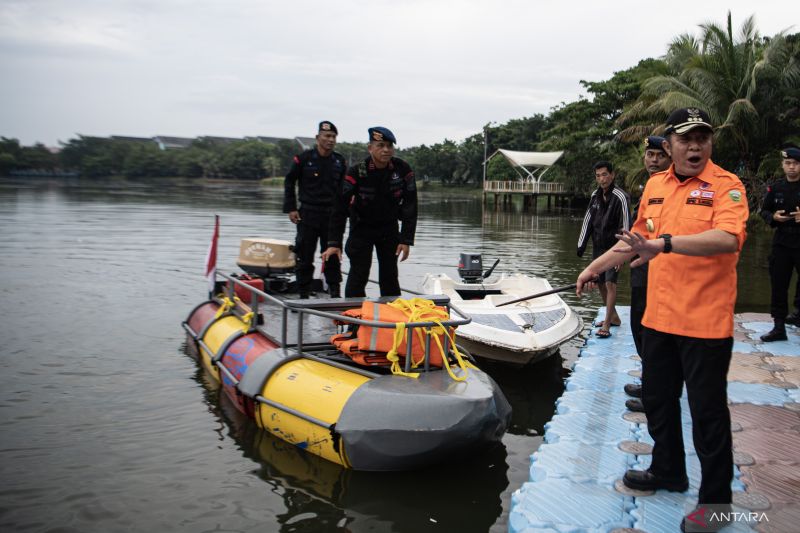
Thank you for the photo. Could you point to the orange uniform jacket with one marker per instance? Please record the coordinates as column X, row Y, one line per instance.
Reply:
column 686, row 295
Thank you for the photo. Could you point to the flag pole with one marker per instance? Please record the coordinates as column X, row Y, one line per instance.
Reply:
column 211, row 259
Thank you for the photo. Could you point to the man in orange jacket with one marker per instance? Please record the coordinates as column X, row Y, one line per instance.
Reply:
column 690, row 227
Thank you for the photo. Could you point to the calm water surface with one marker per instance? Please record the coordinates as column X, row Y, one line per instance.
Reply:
column 107, row 424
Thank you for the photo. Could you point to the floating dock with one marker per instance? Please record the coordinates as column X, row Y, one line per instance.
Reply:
column 575, row 475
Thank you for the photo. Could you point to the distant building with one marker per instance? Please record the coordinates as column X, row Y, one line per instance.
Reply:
column 142, row 140
column 306, row 142
column 168, row 143
column 269, row 140
column 219, row 140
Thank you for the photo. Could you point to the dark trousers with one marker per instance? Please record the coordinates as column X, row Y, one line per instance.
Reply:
column 703, row 365
column 782, row 262
column 359, row 247
column 313, row 229
column 638, row 305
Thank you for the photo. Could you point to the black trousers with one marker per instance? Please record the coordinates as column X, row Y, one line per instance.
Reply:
column 359, row 247
column 703, row 365
column 782, row 262
column 313, row 229
column 638, row 305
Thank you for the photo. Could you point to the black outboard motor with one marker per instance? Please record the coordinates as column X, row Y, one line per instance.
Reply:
column 470, row 268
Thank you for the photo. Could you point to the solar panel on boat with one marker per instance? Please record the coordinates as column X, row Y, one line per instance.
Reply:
column 533, row 321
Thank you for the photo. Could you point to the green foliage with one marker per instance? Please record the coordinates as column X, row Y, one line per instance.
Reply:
column 748, row 84
column 246, row 160
column 15, row 157
column 585, row 129
column 7, row 163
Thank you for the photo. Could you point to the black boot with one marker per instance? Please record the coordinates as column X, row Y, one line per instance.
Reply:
column 635, row 405
column 334, row 290
column 778, row 332
column 633, row 390
column 794, row 319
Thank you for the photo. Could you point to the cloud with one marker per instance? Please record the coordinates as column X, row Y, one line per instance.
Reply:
column 429, row 69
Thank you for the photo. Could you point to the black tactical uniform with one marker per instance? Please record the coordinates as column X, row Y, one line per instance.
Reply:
column 375, row 200
column 785, row 255
column 318, row 179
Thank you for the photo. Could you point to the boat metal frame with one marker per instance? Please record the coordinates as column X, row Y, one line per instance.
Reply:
column 249, row 314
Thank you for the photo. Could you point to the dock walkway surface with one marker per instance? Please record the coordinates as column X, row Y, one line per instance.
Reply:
column 592, row 439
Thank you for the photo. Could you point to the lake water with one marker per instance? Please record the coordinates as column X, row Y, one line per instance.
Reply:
column 107, row 424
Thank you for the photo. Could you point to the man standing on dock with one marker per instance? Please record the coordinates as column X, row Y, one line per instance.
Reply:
column 655, row 160
column 691, row 227
column 608, row 213
column 375, row 195
column 318, row 172
column 781, row 210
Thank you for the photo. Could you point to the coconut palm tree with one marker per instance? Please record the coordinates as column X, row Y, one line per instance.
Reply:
column 720, row 73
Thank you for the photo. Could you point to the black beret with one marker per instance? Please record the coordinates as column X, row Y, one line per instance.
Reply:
column 327, row 125
column 791, row 153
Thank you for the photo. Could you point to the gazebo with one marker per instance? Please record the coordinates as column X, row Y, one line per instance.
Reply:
column 533, row 164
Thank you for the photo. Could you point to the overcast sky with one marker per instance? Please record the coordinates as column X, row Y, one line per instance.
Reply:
column 428, row 70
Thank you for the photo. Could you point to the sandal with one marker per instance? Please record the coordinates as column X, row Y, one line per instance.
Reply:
column 598, row 323
column 602, row 334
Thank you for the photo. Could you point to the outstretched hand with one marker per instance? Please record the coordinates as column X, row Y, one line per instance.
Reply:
column 587, row 281
column 638, row 244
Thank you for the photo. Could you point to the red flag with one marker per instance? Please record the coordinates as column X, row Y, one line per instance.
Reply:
column 211, row 257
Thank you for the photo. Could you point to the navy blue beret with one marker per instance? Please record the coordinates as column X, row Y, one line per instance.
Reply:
column 379, row 133
column 653, row 142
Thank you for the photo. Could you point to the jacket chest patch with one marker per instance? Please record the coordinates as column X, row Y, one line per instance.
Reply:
column 707, row 202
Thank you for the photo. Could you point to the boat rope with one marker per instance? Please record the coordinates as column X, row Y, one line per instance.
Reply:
column 422, row 310
column 226, row 307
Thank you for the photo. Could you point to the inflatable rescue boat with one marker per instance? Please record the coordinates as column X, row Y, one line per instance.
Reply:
column 310, row 394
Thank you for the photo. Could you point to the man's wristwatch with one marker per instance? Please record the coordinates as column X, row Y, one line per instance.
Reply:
column 667, row 242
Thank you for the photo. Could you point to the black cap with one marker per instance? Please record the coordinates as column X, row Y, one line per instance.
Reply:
column 379, row 133
column 327, row 125
column 653, row 142
column 684, row 120
column 791, row 153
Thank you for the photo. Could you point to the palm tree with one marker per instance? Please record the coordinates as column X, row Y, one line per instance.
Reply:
column 717, row 72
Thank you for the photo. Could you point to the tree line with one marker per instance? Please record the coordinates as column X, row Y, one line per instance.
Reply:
column 748, row 83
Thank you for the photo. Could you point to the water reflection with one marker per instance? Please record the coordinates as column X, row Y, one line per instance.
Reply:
column 319, row 495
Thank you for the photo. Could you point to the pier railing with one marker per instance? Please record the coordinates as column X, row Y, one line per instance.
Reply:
column 525, row 187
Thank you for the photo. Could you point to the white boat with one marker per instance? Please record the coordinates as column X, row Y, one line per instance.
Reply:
column 519, row 333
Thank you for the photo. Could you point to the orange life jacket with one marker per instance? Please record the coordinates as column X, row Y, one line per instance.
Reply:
column 369, row 343
column 374, row 341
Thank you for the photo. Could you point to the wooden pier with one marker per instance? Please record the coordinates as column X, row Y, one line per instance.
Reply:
column 503, row 193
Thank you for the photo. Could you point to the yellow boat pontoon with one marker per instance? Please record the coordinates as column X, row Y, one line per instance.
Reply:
column 313, row 396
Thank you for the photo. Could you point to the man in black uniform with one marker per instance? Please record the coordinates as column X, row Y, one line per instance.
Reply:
column 608, row 214
column 375, row 194
column 318, row 172
column 781, row 210
column 655, row 160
